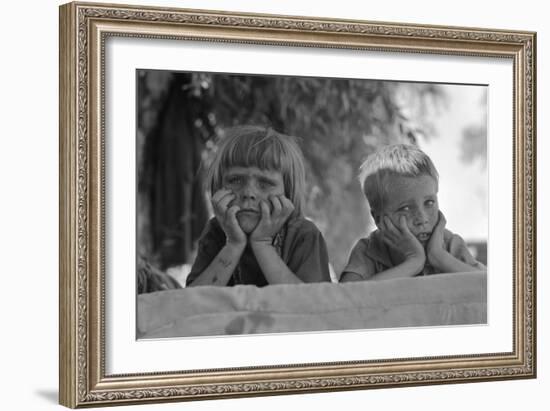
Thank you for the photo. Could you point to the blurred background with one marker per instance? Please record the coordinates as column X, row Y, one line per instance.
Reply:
column 338, row 122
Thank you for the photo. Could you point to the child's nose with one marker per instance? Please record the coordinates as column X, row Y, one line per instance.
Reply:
column 249, row 192
column 421, row 217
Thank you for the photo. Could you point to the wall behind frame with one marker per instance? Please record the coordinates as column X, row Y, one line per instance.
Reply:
column 28, row 210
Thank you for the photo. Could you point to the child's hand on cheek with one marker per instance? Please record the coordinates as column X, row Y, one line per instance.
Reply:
column 227, row 216
column 401, row 239
column 436, row 245
column 271, row 222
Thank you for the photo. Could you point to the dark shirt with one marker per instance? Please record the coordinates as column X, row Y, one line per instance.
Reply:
column 299, row 244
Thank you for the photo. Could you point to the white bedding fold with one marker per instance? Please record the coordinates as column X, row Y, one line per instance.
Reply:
column 445, row 299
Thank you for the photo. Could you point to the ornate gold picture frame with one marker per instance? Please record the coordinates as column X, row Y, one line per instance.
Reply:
column 85, row 157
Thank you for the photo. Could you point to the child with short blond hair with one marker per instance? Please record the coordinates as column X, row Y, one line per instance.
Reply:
column 259, row 234
column 400, row 183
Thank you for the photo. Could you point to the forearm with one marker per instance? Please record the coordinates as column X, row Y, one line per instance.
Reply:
column 408, row 268
column 447, row 263
column 274, row 268
column 221, row 268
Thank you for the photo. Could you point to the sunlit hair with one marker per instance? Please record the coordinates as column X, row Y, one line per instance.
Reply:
column 266, row 149
column 394, row 160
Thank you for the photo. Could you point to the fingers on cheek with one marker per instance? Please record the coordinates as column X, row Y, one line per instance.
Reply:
column 387, row 235
column 264, row 206
column 275, row 204
column 224, row 202
column 389, row 241
column 287, row 205
column 232, row 211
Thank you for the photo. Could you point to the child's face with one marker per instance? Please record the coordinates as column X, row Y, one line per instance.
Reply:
column 250, row 186
column 416, row 199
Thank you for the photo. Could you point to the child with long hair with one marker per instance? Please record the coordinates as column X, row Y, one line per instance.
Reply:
column 259, row 234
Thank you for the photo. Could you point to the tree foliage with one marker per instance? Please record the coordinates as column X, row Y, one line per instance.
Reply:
column 338, row 122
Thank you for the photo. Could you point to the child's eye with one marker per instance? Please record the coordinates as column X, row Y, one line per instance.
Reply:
column 265, row 184
column 430, row 203
column 404, row 208
column 234, row 180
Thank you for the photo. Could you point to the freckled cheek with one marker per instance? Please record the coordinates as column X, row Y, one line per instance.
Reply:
column 241, row 193
column 433, row 216
column 269, row 192
column 264, row 195
column 238, row 196
column 396, row 217
column 410, row 223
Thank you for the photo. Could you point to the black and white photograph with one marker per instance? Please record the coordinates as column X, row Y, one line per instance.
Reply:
column 257, row 204
column 280, row 204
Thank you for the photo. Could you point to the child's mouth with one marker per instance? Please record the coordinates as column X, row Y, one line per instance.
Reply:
column 423, row 236
column 248, row 211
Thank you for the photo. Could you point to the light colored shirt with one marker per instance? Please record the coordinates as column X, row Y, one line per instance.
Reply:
column 371, row 255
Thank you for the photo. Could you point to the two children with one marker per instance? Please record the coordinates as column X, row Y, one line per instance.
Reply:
column 259, row 234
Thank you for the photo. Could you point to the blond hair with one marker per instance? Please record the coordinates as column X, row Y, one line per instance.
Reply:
column 393, row 160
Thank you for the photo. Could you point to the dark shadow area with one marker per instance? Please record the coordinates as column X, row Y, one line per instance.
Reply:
column 49, row 395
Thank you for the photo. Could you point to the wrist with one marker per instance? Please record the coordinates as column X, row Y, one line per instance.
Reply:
column 416, row 262
column 261, row 243
column 235, row 246
column 438, row 258
column 260, row 238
